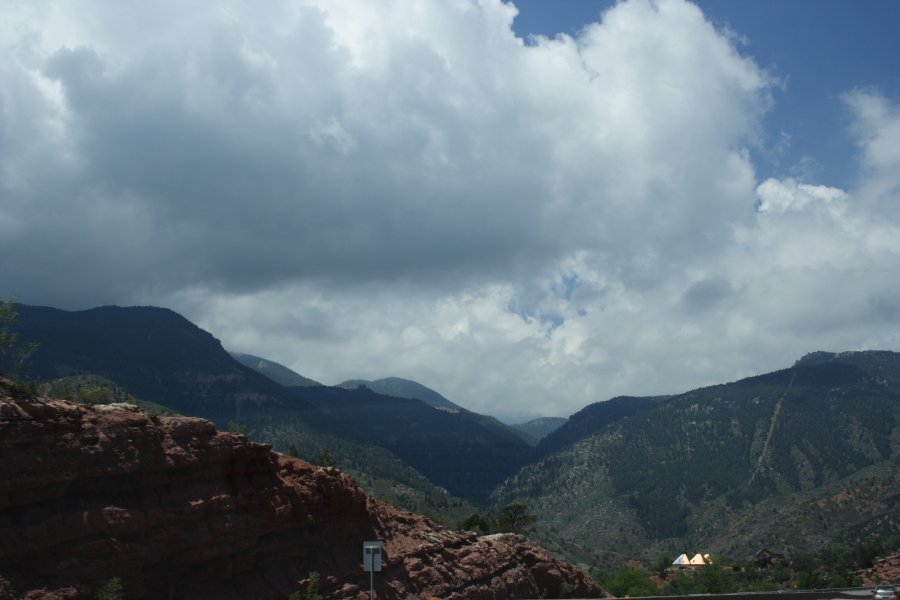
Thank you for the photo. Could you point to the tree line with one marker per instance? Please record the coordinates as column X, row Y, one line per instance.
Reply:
column 837, row 566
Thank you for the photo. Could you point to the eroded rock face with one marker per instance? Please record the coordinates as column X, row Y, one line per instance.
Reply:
column 178, row 510
column 886, row 570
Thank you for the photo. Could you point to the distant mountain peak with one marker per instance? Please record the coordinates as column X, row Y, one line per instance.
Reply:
column 403, row 388
column 277, row 372
column 819, row 356
column 540, row 427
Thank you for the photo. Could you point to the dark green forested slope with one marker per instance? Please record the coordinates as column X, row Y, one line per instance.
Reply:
column 592, row 418
column 398, row 387
column 715, row 466
column 460, row 451
column 161, row 357
column 155, row 353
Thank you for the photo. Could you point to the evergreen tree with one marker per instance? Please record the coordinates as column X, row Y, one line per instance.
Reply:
column 477, row 523
column 10, row 350
column 514, row 518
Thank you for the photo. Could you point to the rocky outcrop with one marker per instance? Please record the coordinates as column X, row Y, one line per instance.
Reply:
column 176, row 509
column 885, row 570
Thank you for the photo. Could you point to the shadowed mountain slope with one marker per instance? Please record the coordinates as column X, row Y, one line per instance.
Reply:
column 461, row 451
column 404, row 388
column 156, row 354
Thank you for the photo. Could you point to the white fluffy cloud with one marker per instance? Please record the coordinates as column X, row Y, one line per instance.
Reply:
column 362, row 189
column 789, row 195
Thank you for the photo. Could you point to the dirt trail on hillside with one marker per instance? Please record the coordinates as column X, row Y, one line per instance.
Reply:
column 765, row 449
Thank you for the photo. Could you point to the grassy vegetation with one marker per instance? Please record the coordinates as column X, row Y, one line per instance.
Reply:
column 835, row 567
column 93, row 390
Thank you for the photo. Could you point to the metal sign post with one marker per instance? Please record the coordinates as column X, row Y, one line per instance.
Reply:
column 372, row 563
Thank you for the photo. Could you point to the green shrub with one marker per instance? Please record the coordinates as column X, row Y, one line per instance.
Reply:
column 629, row 581
column 311, row 592
column 10, row 348
column 111, row 590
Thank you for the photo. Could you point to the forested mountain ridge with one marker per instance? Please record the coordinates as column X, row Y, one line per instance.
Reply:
column 162, row 357
column 467, row 453
column 593, row 418
column 405, row 388
column 154, row 352
column 684, row 473
column 457, row 449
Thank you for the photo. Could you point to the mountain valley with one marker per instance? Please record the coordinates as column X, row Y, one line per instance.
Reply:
column 792, row 460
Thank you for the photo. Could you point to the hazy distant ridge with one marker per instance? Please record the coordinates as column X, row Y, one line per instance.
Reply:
column 403, row 388
column 277, row 372
column 540, row 427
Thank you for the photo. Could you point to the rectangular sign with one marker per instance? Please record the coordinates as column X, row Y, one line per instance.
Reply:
column 372, row 556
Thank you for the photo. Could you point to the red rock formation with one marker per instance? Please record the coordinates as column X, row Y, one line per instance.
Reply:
column 178, row 510
column 886, row 570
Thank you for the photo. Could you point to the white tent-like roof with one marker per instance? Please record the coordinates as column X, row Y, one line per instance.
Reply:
column 682, row 560
column 700, row 559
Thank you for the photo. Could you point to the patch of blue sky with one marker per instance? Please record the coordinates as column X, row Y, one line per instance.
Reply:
column 548, row 319
column 565, row 287
column 812, row 51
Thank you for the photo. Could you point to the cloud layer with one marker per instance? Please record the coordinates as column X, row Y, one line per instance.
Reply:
column 406, row 188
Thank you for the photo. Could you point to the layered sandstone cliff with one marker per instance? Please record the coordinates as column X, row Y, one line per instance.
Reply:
column 176, row 509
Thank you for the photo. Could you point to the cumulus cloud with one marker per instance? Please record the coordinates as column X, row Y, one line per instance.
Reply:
column 789, row 195
column 877, row 130
column 406, row 188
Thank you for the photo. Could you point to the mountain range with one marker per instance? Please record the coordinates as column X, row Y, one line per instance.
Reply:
column 404, row 388
column 161, row 357
column 791, row 460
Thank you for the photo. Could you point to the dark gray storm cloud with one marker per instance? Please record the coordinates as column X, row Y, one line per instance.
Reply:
column 367, row 189
column 706, row 294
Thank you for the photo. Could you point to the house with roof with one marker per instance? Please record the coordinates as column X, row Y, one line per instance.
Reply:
column 767, row 558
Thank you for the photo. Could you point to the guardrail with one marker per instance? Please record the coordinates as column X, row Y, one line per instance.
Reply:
column 829, row 594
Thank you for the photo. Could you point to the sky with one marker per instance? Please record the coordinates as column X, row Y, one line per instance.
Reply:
column 527, row 206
